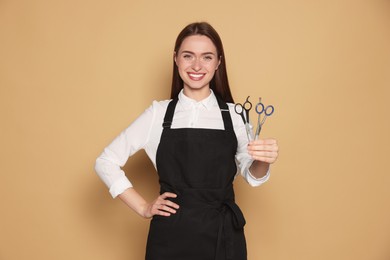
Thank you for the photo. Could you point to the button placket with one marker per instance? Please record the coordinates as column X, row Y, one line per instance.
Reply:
column 195, row 114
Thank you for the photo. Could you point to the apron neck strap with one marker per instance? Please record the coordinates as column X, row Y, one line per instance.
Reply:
column 227, row 120
column 169, row 114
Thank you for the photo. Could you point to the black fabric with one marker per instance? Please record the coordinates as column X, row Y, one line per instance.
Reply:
column 199, row 166
column 169, row 113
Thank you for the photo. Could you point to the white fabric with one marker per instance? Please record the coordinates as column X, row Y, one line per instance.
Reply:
column 145, row 132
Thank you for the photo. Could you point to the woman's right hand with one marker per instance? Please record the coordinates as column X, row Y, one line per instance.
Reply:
column 161, row 206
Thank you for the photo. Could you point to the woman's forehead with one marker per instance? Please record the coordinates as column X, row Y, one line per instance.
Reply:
column 198, row 44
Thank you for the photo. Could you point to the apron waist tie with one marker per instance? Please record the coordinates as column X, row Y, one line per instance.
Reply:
column 221, row 200
column 224, row 231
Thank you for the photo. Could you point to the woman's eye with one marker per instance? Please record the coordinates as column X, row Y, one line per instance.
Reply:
column 208, row 58
column 187, row 57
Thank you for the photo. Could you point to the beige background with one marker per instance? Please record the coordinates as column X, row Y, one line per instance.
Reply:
column 73, row 74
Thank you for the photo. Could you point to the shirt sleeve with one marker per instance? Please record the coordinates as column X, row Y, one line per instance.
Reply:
column 115, row 155
column 243, row 159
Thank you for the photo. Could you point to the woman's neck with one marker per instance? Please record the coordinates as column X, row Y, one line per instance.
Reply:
column 197, row 94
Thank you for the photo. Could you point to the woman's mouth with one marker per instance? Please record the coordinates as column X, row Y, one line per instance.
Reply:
column 196, row 76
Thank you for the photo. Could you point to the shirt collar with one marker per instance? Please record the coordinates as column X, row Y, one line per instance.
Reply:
column 188, row 103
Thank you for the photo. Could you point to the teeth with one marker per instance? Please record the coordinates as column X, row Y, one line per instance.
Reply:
column 196, row 75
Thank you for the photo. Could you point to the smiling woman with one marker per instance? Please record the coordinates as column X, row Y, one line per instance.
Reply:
column 197, row 60
column 207, row 35
column 198, row 145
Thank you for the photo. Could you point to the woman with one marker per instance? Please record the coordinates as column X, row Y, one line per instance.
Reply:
column 196, row 142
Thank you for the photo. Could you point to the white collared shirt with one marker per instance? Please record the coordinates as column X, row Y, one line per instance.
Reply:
column 145, row 132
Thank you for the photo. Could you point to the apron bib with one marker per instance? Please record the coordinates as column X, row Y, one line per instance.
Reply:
column 199, row 166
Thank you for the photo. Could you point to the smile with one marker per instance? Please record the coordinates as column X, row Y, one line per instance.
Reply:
column 196, row 76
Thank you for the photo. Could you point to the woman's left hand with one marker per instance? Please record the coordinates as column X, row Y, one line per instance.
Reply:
column 265, row 150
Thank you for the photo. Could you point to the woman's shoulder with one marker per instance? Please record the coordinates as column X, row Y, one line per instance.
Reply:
column 161, row 103
column 154, row 113
column 231, row 107
column 159, row 106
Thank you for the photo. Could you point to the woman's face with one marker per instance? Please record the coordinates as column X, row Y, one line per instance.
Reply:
column 197, row 61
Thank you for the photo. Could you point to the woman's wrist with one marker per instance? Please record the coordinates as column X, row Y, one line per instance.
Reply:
column 135, row 201
column 259, row 169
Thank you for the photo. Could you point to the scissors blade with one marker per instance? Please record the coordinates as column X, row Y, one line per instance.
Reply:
column 258, row 130
column 249, row 132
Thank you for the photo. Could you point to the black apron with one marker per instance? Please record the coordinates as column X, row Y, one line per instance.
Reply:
column 199, row 166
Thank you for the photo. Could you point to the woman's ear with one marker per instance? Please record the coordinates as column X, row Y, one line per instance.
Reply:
column 174, row 57
column 219, row 62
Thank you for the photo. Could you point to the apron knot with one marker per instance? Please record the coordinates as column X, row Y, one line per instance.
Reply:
column 238, row 217
column 225, row 230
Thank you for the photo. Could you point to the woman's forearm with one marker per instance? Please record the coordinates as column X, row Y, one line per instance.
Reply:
column 134, row 201
column 259, row 169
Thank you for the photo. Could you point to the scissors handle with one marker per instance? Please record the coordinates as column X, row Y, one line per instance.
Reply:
column 238, row 108
column 259, row 108
column 240, row 111
column 269, row 110
column 247, row 104
column 247, row 107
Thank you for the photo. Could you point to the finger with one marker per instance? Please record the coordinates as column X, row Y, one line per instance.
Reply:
column 158, row 210
column 264, row 159
column 270, row 148
column 163, row 199
column 167, row 209
column 163, row 213
column 171, row 204
column 168, row 195
column 263, row 147
column 263, row 141
column 264, row 154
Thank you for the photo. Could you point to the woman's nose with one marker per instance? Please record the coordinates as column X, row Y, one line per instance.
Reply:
column 196, row 65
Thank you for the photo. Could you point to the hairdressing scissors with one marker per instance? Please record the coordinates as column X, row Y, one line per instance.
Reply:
column 260, row 109
column 246, row 106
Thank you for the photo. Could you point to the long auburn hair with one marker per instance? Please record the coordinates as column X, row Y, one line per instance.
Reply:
column 219, row 83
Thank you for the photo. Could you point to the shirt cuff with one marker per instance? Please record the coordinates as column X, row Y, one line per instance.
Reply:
column 253, row 181
column 120, row 186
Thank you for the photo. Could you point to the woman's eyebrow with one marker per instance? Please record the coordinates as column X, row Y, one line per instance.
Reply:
column 204, row 53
